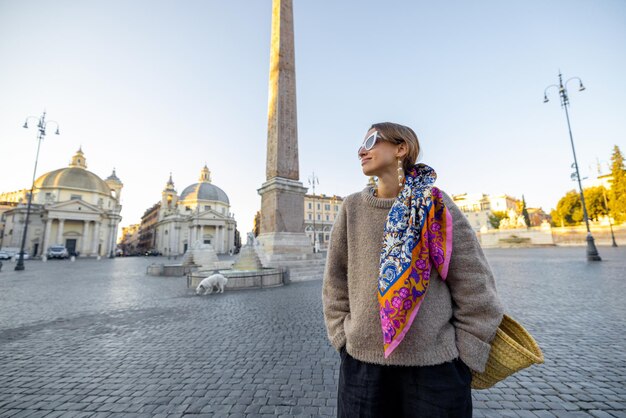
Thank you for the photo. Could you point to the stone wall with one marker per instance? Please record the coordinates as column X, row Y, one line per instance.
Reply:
column 577, row 235
column 526, row 237
column 541, row 236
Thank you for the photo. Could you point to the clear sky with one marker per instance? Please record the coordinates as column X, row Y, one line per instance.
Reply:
column 150, row 87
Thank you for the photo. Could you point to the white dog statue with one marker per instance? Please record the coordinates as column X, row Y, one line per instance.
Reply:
column 215, row 280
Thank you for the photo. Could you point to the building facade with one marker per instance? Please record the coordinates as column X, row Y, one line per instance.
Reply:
column 200, row 214
column 320, row 212
column 129, row 240
column 70, row 206
column 147, row 229
column 478, row 207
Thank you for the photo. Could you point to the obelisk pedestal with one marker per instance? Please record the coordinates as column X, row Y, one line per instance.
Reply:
column 282, row 200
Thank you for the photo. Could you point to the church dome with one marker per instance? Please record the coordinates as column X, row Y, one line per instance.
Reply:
column 76, row 176
column 204, row 189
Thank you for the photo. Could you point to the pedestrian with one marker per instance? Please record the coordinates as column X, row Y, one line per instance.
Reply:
column 399, row 247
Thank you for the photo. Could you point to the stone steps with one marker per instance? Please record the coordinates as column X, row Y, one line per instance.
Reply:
column 303, row 270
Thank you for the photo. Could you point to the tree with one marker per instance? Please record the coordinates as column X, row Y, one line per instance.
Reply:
column 594, row 199
column 495, row 218
column 525, row 212
column 617, row 194
column 569, row 210
column 555, row 220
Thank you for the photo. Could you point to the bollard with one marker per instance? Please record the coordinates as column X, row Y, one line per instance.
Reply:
column 98, row 257
column 73, row 258
column 44, row 258
column 0, row 265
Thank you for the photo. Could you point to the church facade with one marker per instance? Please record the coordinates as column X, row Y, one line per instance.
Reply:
column 70, row 206
column 200, row 214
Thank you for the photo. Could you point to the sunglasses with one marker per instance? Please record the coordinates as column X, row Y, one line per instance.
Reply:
column 369, row 142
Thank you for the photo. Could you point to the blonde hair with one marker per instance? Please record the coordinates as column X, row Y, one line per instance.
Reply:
column 396, row 134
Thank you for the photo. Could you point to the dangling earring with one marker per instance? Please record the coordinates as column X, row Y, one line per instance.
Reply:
column 400, row 172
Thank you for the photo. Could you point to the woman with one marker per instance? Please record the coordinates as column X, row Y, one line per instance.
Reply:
column 409, row 299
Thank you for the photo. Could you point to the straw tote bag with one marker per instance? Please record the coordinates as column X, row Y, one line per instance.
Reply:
column 512, row 349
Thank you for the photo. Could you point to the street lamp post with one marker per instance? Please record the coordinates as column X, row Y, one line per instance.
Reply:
column 41, row 133
column 592, row 251
column 312, row 181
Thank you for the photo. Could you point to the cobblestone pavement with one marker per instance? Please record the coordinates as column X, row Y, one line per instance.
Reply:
column 102, row 339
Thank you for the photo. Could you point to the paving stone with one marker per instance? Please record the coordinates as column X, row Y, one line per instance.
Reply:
column 600, row 414
column 106, row 340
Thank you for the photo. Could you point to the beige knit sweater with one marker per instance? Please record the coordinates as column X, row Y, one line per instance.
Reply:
column 458, row 317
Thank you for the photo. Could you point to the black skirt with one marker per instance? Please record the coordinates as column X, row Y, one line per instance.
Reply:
column 377, row 391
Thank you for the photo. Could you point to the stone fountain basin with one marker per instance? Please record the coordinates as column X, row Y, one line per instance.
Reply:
column 156, row 269
column 241, row 279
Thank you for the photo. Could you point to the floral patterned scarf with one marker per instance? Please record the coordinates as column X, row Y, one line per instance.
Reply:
column 418, row 236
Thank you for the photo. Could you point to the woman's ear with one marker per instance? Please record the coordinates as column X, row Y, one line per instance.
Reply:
column 402, row 150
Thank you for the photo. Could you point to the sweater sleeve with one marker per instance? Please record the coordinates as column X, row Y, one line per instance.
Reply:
column 477, row 308
column 335, row 300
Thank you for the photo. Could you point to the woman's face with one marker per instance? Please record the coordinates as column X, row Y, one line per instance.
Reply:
column 379, row 158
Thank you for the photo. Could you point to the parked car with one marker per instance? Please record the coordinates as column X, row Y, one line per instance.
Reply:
column 11, row 251
column 16, row 254
column 57, row 251
column 8, row 254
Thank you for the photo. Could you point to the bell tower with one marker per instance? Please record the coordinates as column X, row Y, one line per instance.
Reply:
column 114, row 183
column 169, row 198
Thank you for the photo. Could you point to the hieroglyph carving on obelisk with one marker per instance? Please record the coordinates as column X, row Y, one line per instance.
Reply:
column 282, row 126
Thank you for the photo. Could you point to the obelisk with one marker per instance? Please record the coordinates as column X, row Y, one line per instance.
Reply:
column 282, row 194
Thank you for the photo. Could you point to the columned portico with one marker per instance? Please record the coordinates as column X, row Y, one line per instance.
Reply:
column 96, row 238
column 218, row 231
column 46, row 236
column 61, row 224
column 84, row 244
